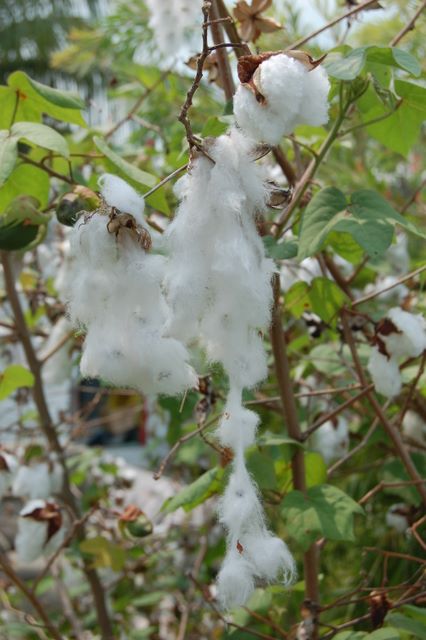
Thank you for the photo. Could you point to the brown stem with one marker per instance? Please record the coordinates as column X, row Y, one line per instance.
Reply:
column 348, row 14
column 231, row 31
column 225, row 72
column 51, row 436
column 285, row 165
column 409, row 26
column 35, row 602
column 374, row 294
column 390, row 429
column 285, row 384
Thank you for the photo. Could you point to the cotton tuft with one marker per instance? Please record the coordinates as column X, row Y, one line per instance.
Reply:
column 292, row 95
column 385, row 374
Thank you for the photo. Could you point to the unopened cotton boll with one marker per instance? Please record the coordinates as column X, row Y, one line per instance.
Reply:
column 331, row 440
column 385, row 374
column 235, row 581
column 8, row 467
column 40, row 530
column 118, row 193
column 292, row 94
column 410, row 340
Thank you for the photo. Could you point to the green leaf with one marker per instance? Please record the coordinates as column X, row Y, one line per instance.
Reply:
column 214, row 127
column 392, row 56
column 105, row 553
column 36, row 99
column 385, row 633
column 315, row 469
column 367, row 217
column 25, row 179
column 400, row 621
column 8, row 155
column 350, row 635
column 197, row 492
column 14, row 377
column 349, row 66
column 400, row 131
column 322, row 296
column 324, row 511
column 284, row 250
column 261, row 467
column 42, row 136
column 129, row 171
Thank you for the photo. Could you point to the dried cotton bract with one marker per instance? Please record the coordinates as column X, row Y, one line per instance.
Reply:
column 281, row 93
column 115, row 294
column 40, row 530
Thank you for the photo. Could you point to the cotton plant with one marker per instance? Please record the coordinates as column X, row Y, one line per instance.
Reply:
column 331, row 440
column 115, row 277
column 41, row 530
column 399, row 335
column 38, row 479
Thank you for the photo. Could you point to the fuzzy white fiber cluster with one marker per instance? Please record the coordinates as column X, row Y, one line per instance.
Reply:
column 218, row 279
column 32, row 538
column 408, row 341
column 218, row 285
column 40, row 480
column 331, row 440
column 293, row 95
column 174, row 25
column 115, row 294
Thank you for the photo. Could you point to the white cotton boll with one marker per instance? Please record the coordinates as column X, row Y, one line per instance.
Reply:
column 331, row 440
column 397, row 292
column 235, row 581
column 33, row 482
column 269, row 556
column 8, row 468
column 385, row 374
column 238, row 426
column 257, row 121
column 414, row 427
column 396, row 517
column 33, row 530
column 411, row 342
column 118, row 193
column 314, row 104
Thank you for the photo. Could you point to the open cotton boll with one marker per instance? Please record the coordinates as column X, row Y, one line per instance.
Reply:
column 269, row 556
column 411, row 342
column 33, row 482
column 314, row 104
column 414, row 427
column 385, row 374
column 331, row 440
column 396, row 517
column 118, row 193
column 235, row 581
column 257, row 121
column 397, row 255
column 240, row 505
column 40, row 530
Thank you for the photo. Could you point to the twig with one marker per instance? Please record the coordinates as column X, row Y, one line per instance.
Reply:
column 348, row 14
column 355, row 450
column 57, row 347
column 231, row 31
column 409, row 26
column 400, row 280
column 383, row 485
column 396, row 554
column 285, row 384
column 414, row 528
column 166, row 179
column 413, row 197
column 48, row 170
column 391, row 430
column 35, row 602
column 285, row 165
column 157, row 475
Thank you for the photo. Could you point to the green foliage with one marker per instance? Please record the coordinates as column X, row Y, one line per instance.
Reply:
column 324, row 511
column 14, row 377
column 197, row 492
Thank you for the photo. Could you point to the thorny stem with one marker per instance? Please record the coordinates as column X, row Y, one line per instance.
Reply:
column 30, row 596
column 285, row 384
column 51, row 436
column 390, row 429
